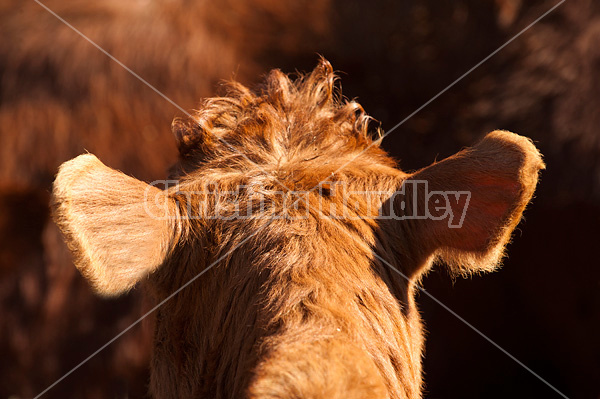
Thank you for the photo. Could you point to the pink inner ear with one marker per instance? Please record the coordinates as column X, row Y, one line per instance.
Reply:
column 492, row 198
column 482, row 223
column 486, row 181
column 500, row 174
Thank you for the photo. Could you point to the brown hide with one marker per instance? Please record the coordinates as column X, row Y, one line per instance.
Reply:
column 304, row 305
column 59, row 97
column 395, row 56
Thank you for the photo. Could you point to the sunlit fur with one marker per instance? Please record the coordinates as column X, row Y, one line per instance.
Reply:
column 304, row 307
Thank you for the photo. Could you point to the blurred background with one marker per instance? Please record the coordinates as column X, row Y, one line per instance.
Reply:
column 61, row 96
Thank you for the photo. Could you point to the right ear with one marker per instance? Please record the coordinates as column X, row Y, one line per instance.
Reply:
column 464, row 208
column 118, row 228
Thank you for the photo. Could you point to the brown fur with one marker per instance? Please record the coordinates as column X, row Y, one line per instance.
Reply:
column 296, row 308
column 60, row 97
column 85, row 202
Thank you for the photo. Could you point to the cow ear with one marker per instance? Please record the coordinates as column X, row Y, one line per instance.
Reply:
column 463, row 209
column 118, row 228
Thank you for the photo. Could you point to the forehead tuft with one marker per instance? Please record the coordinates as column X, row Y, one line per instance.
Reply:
column 285, row 121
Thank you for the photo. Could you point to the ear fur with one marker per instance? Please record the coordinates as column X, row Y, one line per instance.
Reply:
column 118, row 228
column 500, row 174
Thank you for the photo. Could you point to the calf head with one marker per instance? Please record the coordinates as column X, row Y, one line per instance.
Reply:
column 280, row 238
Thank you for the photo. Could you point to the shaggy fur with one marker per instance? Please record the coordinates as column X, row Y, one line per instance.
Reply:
column 59, row 97
column 296, row 307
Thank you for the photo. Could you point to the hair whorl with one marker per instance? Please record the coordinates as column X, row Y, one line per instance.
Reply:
column 282, row 115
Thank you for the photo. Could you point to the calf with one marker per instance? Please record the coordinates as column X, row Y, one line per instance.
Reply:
column 292, row 242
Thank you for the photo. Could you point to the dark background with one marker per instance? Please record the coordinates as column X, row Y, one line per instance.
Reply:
column 61, row 96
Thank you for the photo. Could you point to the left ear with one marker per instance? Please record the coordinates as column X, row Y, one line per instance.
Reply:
column 463, row 209
column 119, row 229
